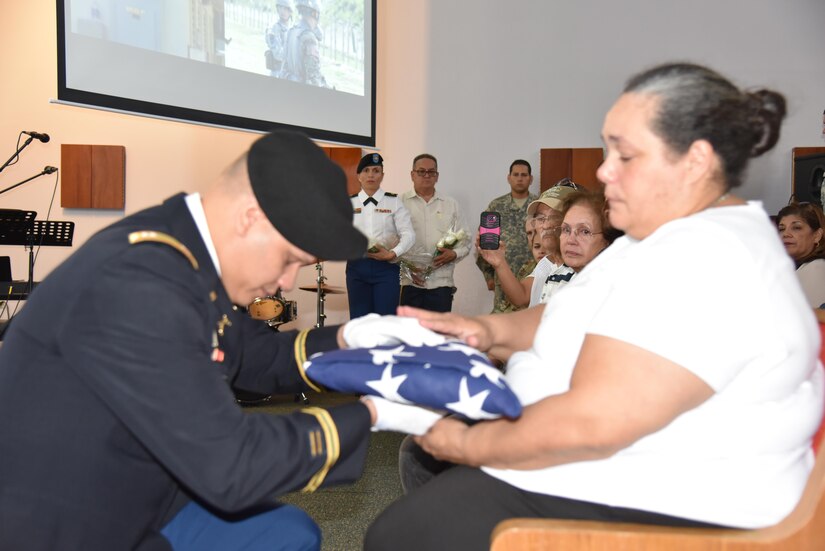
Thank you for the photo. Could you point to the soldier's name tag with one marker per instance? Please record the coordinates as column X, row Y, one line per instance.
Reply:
column 385, row 211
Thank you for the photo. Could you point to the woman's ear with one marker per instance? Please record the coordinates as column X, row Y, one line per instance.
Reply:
column 701, row 159
column 818, row 237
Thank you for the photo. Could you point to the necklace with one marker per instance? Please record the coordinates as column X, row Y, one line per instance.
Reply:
column 720, row 199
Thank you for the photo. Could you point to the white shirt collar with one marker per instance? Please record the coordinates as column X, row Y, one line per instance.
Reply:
column 193, row 202
column 378, row 195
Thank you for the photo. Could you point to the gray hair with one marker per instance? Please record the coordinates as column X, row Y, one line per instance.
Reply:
column 697, row 103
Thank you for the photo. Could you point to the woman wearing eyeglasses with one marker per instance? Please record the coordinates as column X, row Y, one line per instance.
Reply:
column 675, row 380
column 802, row 228
column 584, row 232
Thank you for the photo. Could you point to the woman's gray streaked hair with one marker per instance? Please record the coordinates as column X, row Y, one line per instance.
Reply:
column 697, row 103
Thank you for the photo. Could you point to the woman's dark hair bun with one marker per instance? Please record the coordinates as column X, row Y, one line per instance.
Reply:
column 768, row 111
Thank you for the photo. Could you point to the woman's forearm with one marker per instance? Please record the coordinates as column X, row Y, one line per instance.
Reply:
column 512, row 287
column 512, row 331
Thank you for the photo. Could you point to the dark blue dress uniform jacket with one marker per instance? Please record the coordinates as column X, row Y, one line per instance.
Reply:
column 114, row 412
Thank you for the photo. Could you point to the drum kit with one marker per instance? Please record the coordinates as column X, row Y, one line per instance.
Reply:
column 275, row 311
column 323, row 290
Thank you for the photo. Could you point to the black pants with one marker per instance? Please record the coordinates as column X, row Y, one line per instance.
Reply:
column 459, row 509
column 416, row 467
column 439, row 299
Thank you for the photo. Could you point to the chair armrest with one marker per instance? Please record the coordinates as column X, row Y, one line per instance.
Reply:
column 562, row 535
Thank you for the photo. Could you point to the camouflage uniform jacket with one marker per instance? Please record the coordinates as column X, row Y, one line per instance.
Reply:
column 518, row 249
column 302, row 56
column 276, row 43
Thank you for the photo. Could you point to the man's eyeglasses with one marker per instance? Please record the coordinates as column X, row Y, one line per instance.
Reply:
column 568, row 182
column 582, row 232
column 432, row 173
column 544, row 219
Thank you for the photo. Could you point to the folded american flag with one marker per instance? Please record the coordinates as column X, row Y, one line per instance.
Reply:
column 451, row 376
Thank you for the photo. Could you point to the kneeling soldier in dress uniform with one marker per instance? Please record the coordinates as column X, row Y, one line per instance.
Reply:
column 136, row 441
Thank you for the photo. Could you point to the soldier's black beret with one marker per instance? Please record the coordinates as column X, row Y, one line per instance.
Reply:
column 371, row 159
column 304, row 195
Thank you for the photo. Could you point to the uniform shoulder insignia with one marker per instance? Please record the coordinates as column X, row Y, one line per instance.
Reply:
column 388, row 194
column 146, row 236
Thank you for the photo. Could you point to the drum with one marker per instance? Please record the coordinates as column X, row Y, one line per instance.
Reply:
column 274, row 310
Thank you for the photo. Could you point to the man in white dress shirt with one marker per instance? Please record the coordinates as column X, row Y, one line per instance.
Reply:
column 433, row 216
column 373, row 282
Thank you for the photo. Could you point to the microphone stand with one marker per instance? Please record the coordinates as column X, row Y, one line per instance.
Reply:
column 16, row 153
column 44, row 171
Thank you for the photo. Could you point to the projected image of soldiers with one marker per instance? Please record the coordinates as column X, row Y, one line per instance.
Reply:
column 302, row 56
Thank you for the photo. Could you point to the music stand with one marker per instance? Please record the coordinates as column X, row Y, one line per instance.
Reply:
column 15, row 225
column 18, row 227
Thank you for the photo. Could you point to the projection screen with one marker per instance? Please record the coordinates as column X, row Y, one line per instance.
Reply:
column 247, row 64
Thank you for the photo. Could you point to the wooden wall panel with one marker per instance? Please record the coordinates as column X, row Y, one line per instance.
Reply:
column 347, row 158
column 92, row 176
column 554, row 164
column 578, row 163
column 75, row 176
column 108, row 177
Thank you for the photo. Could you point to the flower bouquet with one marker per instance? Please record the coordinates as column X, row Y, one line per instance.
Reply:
column 450, row 240
column 418, row 267
column 375, row 245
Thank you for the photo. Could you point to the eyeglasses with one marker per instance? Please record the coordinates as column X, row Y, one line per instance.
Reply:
column 432, row 173
column 567, row 182
column 544, row 219
column 582, row 232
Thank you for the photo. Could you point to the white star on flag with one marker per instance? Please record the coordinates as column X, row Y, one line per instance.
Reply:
column 380, row 357
column 387, row 386
column 481, row 369
column 455, row 346
column 453, row 377
column 470, row 406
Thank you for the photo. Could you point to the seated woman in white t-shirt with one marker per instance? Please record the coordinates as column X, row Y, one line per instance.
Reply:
column 801, row 228
column 657, row 388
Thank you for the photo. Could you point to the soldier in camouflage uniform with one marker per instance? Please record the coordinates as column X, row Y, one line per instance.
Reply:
column 276, row 37
column 513, row 209
column 302, row 56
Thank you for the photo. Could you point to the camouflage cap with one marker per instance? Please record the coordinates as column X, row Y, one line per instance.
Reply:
column 552, row 197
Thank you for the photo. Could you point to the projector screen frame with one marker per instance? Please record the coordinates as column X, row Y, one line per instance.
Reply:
column 83, row 98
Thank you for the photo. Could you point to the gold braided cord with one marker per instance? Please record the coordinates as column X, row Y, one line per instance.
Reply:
column 301, row 357
column 159, row 237
column 333, row 446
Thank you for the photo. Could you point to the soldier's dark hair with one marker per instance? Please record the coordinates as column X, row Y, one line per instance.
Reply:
column 521, row 162
column 425, row 156
column 697, row 103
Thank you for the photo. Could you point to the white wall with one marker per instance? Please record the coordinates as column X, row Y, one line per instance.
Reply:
column 477, row 83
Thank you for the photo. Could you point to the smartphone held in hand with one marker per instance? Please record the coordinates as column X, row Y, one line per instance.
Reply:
column 489, row 230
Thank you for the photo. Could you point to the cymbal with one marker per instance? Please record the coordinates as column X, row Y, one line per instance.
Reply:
column 327, row 289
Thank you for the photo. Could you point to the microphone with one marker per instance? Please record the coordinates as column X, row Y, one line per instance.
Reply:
column 38, row 136
column 49, row 169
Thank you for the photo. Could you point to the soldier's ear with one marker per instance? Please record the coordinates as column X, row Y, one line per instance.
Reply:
column 247, row 216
